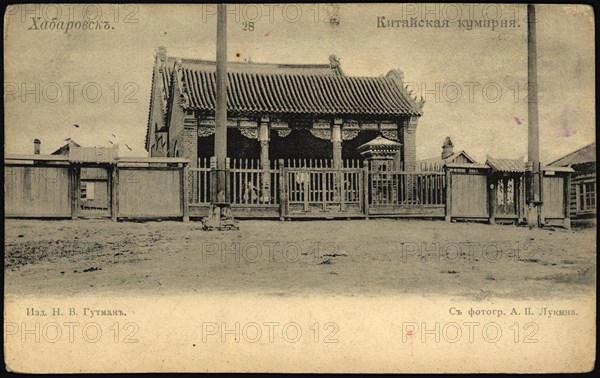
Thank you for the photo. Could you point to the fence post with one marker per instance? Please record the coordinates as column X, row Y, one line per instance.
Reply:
column 282, row 189
column 75, row 176
column 114, row 187
column 492, row 190
column 567, row 201
column 341, row 182
column 517, row 193
column 365, row 188
column 448, row 195
column 185, row 186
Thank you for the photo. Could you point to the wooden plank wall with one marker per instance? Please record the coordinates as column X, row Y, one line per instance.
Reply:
column 32, row 191
column 149, row 192
column 469, row 195
column 553, row 195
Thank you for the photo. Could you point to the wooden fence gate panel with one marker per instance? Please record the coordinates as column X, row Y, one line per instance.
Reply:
column 253, row 190
column 31, row 191
column 323, row 192
column 401, row 193
column 151, row 192
column 469, row 195
column 553, row 197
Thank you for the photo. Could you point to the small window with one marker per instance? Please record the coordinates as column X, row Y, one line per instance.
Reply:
column 90, row 190
column 87, row 190
column 587, row 197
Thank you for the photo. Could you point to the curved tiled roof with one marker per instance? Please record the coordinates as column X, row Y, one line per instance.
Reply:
column 293, row 89
column 289, row 88
column 285, row 93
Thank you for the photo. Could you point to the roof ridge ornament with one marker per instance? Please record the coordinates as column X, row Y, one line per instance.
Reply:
column 334, row 64
column 398, row 75
column 161, row 53
column 334, row 61
column 177, row 70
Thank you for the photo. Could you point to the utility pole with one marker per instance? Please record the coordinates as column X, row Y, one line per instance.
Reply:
column 533, row 169
column 219, row 216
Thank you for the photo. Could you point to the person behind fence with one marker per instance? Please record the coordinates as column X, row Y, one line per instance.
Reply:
column 250, row 192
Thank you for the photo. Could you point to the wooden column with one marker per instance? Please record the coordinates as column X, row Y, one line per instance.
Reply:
column 400, row 133
column 336, row 140
column 282, row 190
column 265, row 163
column 365, row 186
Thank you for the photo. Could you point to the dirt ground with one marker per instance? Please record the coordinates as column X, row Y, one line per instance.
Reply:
column 348, row 258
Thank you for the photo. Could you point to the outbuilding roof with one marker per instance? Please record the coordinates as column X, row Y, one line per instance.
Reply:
column 585, row 154
column 506, row 165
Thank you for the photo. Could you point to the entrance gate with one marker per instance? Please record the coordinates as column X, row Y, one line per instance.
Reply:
column 324, row 192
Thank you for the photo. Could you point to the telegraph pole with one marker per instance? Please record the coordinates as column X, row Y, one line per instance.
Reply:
column 221, row 104
column 219, row 216
column 533, row 169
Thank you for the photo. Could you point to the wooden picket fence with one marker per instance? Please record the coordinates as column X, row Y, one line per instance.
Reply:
column 316, row 188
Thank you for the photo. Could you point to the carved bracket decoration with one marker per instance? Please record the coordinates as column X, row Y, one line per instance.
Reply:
column 283, row 132
column 321, row 133
column 349, row 134
column 370, row 126
column 245, row 123
column 206, row 131
column 321, row 125
column 249, row 132
column 390, row 134
column 388, row 126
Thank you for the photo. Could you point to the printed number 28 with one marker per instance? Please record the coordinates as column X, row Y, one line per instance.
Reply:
column 248, row 25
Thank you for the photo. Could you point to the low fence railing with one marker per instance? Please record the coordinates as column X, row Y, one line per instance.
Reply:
column 315, row 186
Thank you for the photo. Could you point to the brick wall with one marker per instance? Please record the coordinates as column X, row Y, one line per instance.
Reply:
column 409, row 143
column 188, row 145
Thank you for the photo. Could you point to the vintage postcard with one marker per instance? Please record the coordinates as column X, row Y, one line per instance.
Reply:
column 319, row 188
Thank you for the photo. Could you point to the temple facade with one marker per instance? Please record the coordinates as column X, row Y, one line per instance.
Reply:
column 278, row 111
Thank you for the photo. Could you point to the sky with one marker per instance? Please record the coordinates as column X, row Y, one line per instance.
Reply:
column 93, row 86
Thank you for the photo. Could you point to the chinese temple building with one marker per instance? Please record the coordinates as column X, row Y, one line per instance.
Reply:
column 278, row 111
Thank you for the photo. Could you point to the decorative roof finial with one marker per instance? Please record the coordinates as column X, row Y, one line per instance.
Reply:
column 334, row 61
column 397, row 75
column 161, row 53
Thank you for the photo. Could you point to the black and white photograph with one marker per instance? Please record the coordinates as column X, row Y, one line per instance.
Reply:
column 299, row 188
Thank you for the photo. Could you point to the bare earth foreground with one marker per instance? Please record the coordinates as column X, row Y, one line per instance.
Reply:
column 348, row 258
